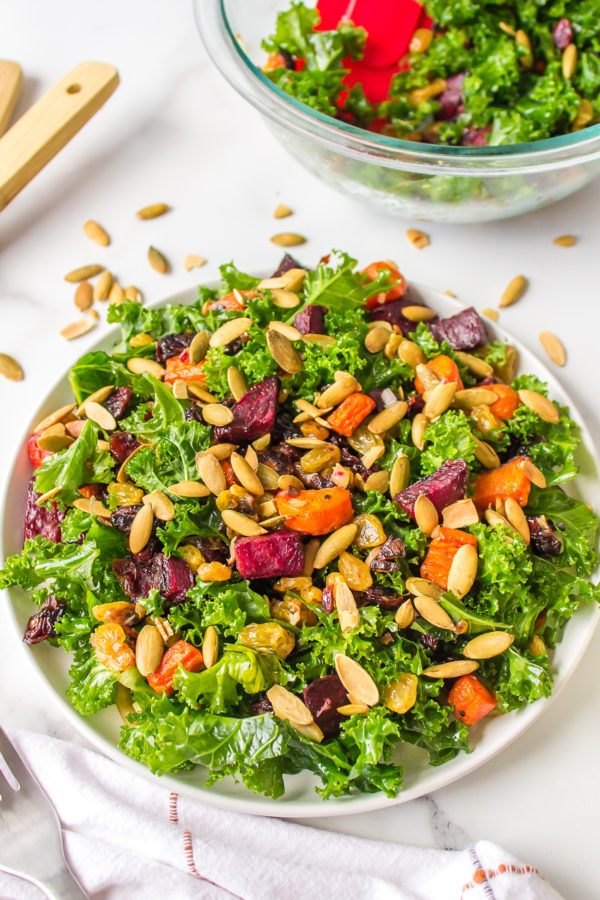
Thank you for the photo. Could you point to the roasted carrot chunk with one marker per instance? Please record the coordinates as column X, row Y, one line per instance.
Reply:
column 232, row 301
column 228, row 473
column 315, row 512
column 350, row 413
column 396, row 291
column 445, row 369
column 471, row 699
column 179, row 368
column 506, row 481
column 442, row 550
column 180, row 654
column 507, row 402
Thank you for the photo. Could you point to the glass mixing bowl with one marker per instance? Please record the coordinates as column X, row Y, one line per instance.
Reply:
column 422, row 181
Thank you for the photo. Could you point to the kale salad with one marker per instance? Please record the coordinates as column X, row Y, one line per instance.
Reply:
column 300, row 523
column 446, row 71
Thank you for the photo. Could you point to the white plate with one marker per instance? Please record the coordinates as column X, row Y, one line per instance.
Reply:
column 300, row 800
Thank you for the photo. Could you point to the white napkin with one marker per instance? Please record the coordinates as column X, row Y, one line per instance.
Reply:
column 128, row 838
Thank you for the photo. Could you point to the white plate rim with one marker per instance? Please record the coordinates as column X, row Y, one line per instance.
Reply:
column 436, row 777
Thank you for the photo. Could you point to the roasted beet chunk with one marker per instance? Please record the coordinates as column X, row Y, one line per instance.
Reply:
column 464, row 331
column 119, row 401
column 544, row 541
column 122, row 445
column 172, row 345
column 172, row 577
column 382, row 597
column 41, row 624
column 323, row 697
column 254, row 415
column 138, row 575
column 389, row 556
column 562, row 34
column 42, row 520
column 272, row 555
column 444, row 486
column 392, row 313
column 451, row 99
column 288, row 262
column 475, row 137
column 311, row 320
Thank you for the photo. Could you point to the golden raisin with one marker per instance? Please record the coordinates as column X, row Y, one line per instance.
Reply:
column 313, row 429
column 293, row 611
column 317, row 459
column 125, row 494
column 355, row 572
column 140, row 340
column 192, row 556
column 485, row 418
column 401, row 694
column 299, row 583
column 362, row 440
column 370, row 532
column 268, row 637
column 111, row 612
column 213, row 571
column 109, row 645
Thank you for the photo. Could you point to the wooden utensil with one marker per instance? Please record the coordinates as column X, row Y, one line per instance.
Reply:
column 11, row 79
column 51, row 123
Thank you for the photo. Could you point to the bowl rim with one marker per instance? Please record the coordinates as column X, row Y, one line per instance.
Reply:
column 218, row 37
column 247, row 802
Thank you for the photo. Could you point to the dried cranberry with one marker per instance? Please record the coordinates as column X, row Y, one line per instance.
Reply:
column 313, row 480
column 172, row 345
column 285, row 428
column 451, row 99
column 254, row 415
column 41, row 624
column 416, row 404
column 327, row 600
column 193, row 413
column 387, row 560
column 284, row 463
column 261, row 707
column 464, row 331
column 122, row 445
column 42, row 520
column 427, row 640
column 288, row 262
column 446, row 485
column 475, row 137
column 119, row 401
column 383, row 598
column 140, row 574
column 323, row 697
column 213, row 549
column 311, row 320
column 274, row 555
column 122, row 517
column 349, row 459
column 562, row 34
column 521, row 446
column 544, row 542
column 233, row 347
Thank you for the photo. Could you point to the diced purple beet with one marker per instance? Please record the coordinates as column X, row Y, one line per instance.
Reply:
column 288, row 262
column 392, row 313
column 253, row 415
column 464, row 331
column 42, row 520
column 172, row 345
column 451, row 99
column 311, row 320
column 323, row 697
column 475, row 137
column 444, row 486
column 41, row 624
column 122, row 444
column 277, row 554
column 119, row 401
column 562, row 34
column 137, row 575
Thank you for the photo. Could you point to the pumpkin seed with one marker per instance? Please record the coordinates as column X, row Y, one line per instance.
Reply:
column 285, row 299
column 288, row 331
column 287, row 239
column 192, row 261
column 390, row 351
column 372, row 455
column 75, row 427
column 418, row 313
column 352, row 709
column 345, row 604
column 427, row 377
column 400, row 474
column 217, row 414
column 308, row 411
column 77, row 329
column 220, row 451
column 210, row 646
column 54, row 438
column 463, row 571
column 288, row 706
column 241, row 524
column 517, row 519
column 188, row 489
column 388, row 417
column 96, row 233
column 98, row 396
column 141, row 528
column 534, row 474
column 43, row 498
column 426, row 515
column 270, row 284
column 103, row 286
column 553, row 347
column 522, row 40
column 281, row 211
column 453, row 669
column 460, row 514
column 507, row 29
column 472, row 397
column 94, row 314
column 84, row 273
column 338, row 391
column 122, row 473
column 157, row 260
column 160, row 504
column 513, row 291
column 439, row 400
column 405, row 614
column 490, row 313
column 539, row 404
column 274, row 521
column 356, row 680
column 378, row 481
column 312, row 731
column 484, row 646
column 133, row 293
column 180, row 391
column 310, row 552
column 494, row 517
column 323, row 340
column 474, row 364
column 380, row 323
column 196, row 390
column 211, row 473
column 262, row 443
column 99, row 415
column 411, row 354
column 138, row 365
column 229, row 331
column 268, row 477
column 283, row 352
column 198, row 347
column 10, row 368
column 430, row 610
column 308, row 443
column 251, row 458
column 117, row 294
column 335, row 544
column 152, row 211
column 57, row 416
column 420, row 424
column 417, row 238
column 294, row 279
column 84, row 296
column 149, row 649
column 486, row 454
column 246, row 475
column 569, row 61
column 376, row 339
column 564, row 240
column 423, row 587
column 92, row 506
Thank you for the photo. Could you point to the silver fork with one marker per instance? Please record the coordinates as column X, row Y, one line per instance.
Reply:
column 30, row 836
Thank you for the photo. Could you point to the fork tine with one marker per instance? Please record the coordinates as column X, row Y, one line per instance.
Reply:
column 15, row 765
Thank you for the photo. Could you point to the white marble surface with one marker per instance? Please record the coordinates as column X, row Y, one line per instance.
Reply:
column 175, row 132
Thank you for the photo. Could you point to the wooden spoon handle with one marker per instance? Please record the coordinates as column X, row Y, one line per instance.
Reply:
column 11, row 79
column 51, row 123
